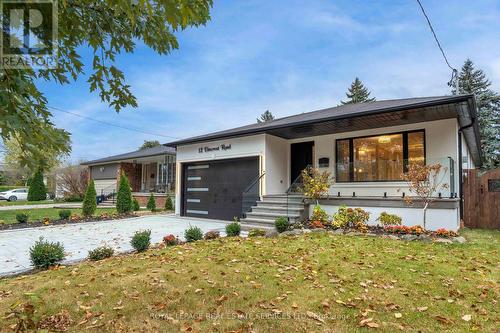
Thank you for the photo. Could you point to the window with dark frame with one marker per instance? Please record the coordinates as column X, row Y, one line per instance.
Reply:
column 380, row 157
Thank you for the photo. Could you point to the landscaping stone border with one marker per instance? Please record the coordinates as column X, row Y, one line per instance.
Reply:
column 350, row 232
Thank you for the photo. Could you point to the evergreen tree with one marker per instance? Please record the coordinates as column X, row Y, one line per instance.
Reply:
column 37, row 190
column 266, row 116
column 124, row 197
column 474, row 81
column 89, row 201
column 169, row 205
column 357, row 93
column 150, row 144
column 151, row 205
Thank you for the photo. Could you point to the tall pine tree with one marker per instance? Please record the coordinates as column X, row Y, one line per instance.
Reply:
column 474, row 81
column 266, row 116
column 357, row 93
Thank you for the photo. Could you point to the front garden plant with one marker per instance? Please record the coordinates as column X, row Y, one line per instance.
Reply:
column 45, row 254
column 141, row 240
column 193, row 234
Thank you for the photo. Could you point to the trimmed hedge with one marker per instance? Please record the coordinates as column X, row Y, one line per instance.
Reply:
column 89, row 201
column 37, row 190
column 151, row 205
column 124, row 197
column 45, row 254
column 169, row 205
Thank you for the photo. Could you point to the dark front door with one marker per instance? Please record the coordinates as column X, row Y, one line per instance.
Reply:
column 213, row 189
column 301, row 156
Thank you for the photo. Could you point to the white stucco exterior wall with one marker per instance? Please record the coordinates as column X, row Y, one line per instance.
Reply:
column 276, row 165
column 435, row 218
column 248, row 146
column 440, row 139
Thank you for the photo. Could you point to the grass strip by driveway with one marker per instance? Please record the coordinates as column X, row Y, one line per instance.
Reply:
column 311, row 283
column 24, row 203
column 9, row 216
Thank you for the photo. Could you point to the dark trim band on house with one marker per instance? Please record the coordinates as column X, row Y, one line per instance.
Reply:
column 347, row 173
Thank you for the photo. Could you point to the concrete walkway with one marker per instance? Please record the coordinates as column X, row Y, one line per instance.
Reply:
column 47, row 205
column 78, row 239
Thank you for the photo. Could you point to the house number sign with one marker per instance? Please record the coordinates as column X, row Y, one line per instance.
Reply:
column 216, row 148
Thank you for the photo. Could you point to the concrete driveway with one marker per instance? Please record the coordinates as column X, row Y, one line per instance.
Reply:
column 78, row 239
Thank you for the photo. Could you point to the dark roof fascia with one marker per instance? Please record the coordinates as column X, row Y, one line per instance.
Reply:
column 450, row 99
column 106, row 161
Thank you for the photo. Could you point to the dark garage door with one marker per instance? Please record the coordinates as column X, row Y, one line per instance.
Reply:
column 213, row 189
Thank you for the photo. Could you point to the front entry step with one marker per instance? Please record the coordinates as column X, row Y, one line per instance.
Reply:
column 266, row 211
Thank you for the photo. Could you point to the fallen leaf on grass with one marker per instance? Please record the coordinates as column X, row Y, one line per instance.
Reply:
column 466, row 317
column 294, row 305
column 398, row 315
column 443, row 320
column 422, row 308
column 314, row 316
column 368, row 322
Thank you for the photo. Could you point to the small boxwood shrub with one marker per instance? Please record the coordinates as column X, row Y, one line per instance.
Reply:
column 101, row 252
column 151, row 205
column 233, row 229
column 193, row 234
column 64, row 214
column 22, row 217
column 135, row 203
column 256, row 233
column 141, row 240
column 45, row 254
column 281, row 223
column 212, row 235
column 389, row 219
column 170, row 240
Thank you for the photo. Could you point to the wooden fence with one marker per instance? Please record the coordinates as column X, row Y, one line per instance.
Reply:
column 482, row 199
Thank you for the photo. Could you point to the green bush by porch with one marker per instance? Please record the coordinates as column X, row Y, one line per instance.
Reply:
column 89, row 201
column 151, row 205
column 124, row 197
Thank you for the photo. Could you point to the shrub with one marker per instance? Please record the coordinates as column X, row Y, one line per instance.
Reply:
column 170, row 240
column 89, row 201
column 317, row 225
column 315, row 183
column 73, row 198
column 319, row 215
column 349, row 217
column 100, row 253
column 64, row 214
column 22, row 217
column 124, row 196
column 211, row 235
column 193, row 234
column 403, row 230
column 445, row 233
column 233, row 229
column 141, row 240
column 135, row 203
column 37, row 190
column 281, row 223
column 169, row 205
column 151, row 205
column 389, row 219
column 256, row 233
column 45, row 254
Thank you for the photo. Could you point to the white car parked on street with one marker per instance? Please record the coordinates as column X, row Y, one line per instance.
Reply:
column 14, row 195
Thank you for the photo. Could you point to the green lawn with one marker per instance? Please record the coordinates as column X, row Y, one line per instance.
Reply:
column 9, row 216
column 23, row 203
column 311, row 283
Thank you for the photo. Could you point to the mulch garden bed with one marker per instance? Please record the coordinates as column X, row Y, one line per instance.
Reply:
column 79, row 220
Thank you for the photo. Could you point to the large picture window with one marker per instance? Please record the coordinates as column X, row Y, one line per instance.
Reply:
column 378, row 158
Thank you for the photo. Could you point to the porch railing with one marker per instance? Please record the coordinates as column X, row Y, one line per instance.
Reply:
column 250, row 195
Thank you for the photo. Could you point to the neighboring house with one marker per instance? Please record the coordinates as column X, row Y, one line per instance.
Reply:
column 150, row 170
column 366, row 146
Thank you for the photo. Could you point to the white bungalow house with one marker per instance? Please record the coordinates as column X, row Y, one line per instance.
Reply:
column 251, row 171
column 150, row 170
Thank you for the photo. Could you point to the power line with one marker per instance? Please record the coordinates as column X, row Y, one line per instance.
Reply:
column 111, row 124
column 435, row 36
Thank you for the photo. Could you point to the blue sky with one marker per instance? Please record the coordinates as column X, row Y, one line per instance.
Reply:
column 285, row 56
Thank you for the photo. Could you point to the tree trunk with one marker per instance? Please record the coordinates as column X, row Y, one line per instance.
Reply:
column 425, row 212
